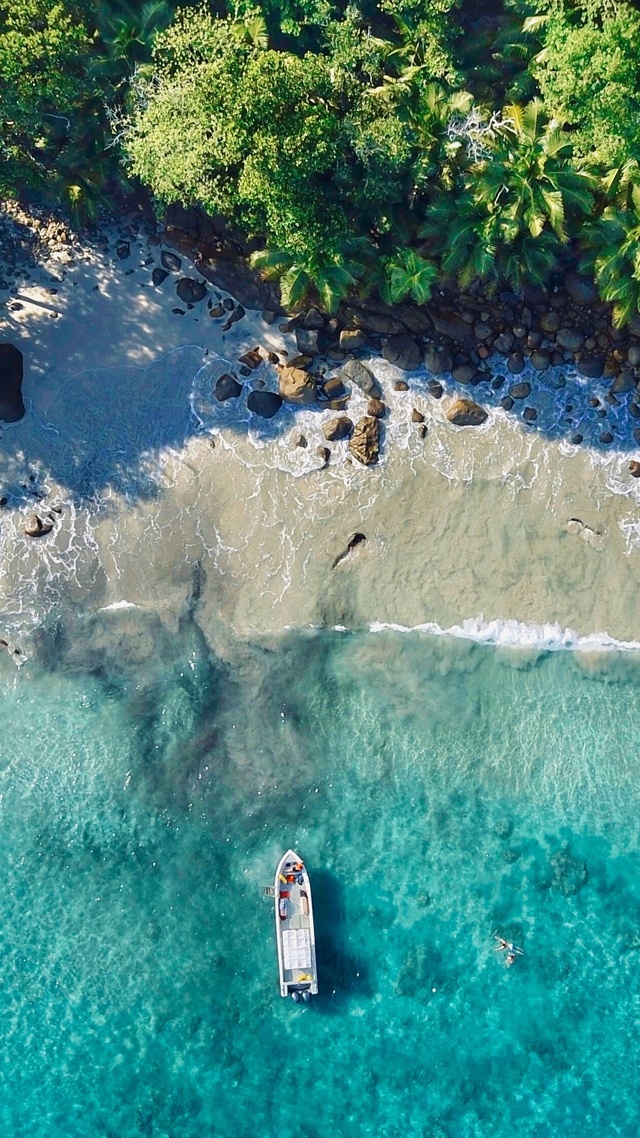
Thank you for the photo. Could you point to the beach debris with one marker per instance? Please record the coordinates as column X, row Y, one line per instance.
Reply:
column 353, row 543
column 364, row 443
column 355, row 372
column 158, row 276
column 337, row 429
column 352, row 339
column 170, row 261
column 592, row 537
column 266, row 404
column 403, row 352
column 227, row 387
column 466, row 413
column 190, row 291
column 11, row 371
column 297, row 386
column 35, row 527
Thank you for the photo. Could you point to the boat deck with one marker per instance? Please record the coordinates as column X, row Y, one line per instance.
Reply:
column 295, row 928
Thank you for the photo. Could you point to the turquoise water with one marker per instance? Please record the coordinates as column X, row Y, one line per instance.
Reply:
column 438, row 791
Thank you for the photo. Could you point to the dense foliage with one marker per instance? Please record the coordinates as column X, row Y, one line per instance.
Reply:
column 380, row 146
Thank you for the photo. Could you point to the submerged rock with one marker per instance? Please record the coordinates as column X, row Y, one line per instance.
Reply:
column 158, row 276
column 171, row 261
column 570, row 874
column 466, row 413
column 365, row 441
column 11, row 372
column 190, row 291
column 227, row 388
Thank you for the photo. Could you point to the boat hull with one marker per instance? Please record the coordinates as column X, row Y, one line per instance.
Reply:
column 295, row 932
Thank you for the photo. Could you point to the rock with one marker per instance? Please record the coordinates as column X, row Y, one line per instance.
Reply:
column 422, row 430
column 190, row 291
column 417, row 416
column 365, row 440
column 352, row 339
column 307, row 341
column 266, row 404
column 123, row 250
column 466, row 413
column 633, row 324
column 450, row 324
column 582, row 290
column 217, row 311
column 591, row 367
column 634, row 468
column 334, row 388
column 634, row 410
column 482, row 331
column 570, row 339
column 237, row 314
column 465, row 373
column 313, row 319
column 298, row 361
column 269, row 315
column 550, row 321
column 540, row 360
column 337, row 429
column 506, row 402
column 436, row 390
column 323, row 453
column 158, row 276
column 520, row 390
column 297, row 386
column 236, row 278
column 403, row 352
column 171, row 261
column 381, row 322
column 251, row 359
column 355, row 372
column 529, row 414
column 228, row 304
column 633, row 355
column 401, row 385
column 577, row 439
column 11, row 372
column 503, row 343
column 35, row 527
column 606, row 437
column 227, row 388
column 438, row 360
column 515, row 363
column 376, row 408
column 299, row 440
column 622, row 383
column 570, row 874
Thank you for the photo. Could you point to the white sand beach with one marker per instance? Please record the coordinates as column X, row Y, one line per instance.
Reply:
column 506, row 527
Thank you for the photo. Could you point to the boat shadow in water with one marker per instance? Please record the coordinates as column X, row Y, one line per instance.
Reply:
column 340, row 973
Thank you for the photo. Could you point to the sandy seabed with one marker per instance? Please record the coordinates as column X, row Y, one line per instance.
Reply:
column 505, row 532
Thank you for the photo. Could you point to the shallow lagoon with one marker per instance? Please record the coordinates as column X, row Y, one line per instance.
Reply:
column 438, row 790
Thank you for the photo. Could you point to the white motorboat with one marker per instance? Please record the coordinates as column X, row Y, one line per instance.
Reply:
column 295, row 934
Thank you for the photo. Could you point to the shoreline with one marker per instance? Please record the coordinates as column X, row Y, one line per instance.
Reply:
column 507, row 519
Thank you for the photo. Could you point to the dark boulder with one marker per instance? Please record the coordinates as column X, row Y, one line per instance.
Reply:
column 11, row 372
column 337, row 429
column 190, row 291
column 356, row 372
column 466, row 413
column 582, row 290
column 266, row 404
column 403, row 352
column 227, row 388
column 158, row 276
column 171, row 261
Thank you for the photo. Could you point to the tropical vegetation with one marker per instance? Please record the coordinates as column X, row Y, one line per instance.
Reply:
column 379, row 146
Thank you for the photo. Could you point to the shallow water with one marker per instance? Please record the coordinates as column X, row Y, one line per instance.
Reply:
column 438, row 790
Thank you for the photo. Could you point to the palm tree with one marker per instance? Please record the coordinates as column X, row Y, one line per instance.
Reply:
column 333, row 275
column 462, row 235
column 128, row 34
column 406, row 274
column 528, row 180
column 612, row 254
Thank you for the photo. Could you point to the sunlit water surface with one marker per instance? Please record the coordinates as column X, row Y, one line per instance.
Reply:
column 438, row 791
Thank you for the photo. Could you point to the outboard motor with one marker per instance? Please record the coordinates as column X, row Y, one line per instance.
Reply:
column 295, row 996
column 305, row 997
